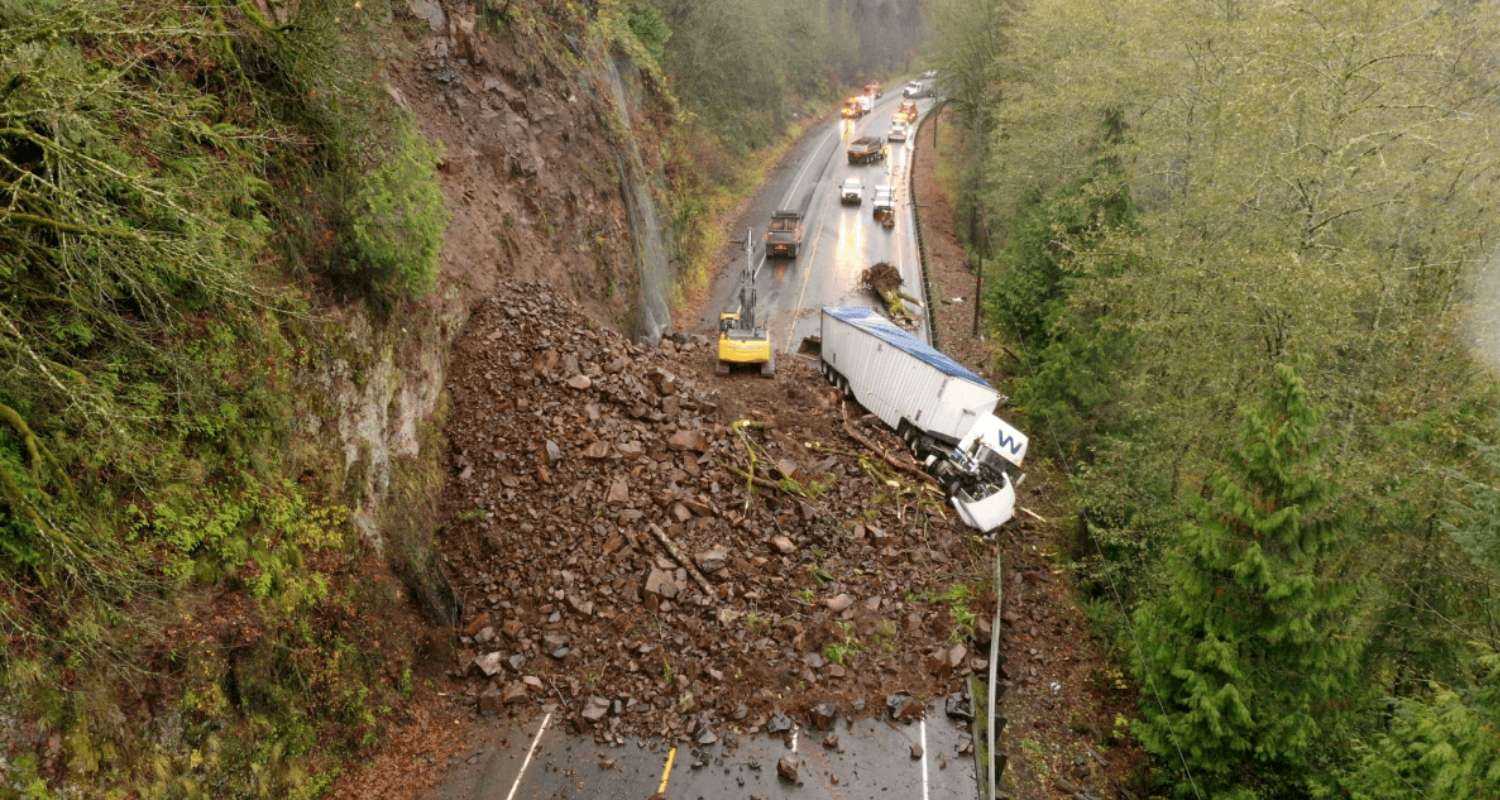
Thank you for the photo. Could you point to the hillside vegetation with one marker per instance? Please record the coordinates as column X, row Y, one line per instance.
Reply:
column 1229, row 249
column 181, row 184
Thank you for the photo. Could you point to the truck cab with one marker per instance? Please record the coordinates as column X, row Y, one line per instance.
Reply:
column 853, row 109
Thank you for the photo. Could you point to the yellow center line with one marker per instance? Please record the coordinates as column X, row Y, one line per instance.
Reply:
column 666, row 773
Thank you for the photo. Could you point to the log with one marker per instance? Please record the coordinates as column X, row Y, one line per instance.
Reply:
column 681, row 558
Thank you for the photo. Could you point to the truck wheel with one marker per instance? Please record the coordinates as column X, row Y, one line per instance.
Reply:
column 721, row 368
column 768, row 369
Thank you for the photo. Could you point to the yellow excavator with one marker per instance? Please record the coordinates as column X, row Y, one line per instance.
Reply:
column 741, row 340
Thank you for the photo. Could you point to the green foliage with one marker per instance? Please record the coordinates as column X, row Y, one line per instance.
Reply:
column 1041, row 298
column 1247, row 647
column 1445, row 746
column 397, row 218
column 1308, row 185
column 650, row 28
column 166, row 169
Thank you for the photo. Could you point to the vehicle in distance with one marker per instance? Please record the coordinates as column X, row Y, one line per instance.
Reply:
column 943, row 411
column 853, row 109
column 866, row 103
column 930, row 74
column 914, row 89
column 865, row 150
column 852, row 192
column 784, row 234
column 897, row 132
column 883, row 206
column 873, row 89
column 907, row 111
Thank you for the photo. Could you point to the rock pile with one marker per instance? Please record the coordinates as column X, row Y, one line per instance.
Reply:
column 660, row 556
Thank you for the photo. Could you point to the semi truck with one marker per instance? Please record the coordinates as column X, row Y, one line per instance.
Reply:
column 940, row 408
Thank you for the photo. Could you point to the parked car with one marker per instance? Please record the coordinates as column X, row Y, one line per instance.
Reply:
column 852, row 192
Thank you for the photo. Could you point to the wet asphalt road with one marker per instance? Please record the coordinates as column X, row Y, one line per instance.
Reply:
column 840, row 241
column 874, row 760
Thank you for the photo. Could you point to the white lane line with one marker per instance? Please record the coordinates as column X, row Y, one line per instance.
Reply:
column 923, row 728
column 530, row 751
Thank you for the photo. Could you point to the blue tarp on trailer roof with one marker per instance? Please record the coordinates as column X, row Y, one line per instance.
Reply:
column 871, row 322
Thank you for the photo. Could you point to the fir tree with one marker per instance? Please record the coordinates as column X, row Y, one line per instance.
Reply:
column 1244, row 651
column 1445, row 747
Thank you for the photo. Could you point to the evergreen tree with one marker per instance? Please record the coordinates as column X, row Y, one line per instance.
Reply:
column 1446, row 747
column 1244, row 651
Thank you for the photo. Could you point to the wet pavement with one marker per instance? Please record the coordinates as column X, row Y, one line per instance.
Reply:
column 840, row 240
column 873, row 759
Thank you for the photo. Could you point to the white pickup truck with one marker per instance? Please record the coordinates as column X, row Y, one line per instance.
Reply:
column 852, row 191
column 943, row 411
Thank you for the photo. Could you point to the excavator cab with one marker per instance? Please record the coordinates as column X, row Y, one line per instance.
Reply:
column 741, row 341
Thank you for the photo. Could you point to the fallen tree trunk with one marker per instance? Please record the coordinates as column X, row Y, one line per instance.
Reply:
column 907, row 467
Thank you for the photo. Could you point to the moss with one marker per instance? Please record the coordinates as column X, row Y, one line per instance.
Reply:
column 180, row 587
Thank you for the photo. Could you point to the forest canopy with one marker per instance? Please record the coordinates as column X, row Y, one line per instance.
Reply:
column 1232, row 250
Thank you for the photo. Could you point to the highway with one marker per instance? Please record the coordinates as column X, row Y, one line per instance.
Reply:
column 539, row 757
column 841, row 240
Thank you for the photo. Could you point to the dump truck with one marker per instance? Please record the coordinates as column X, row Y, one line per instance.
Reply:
column 941, row 409
column 784, row 234
column 866, row 149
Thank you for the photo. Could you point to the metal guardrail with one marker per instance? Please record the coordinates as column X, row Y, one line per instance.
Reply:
column 916, row 214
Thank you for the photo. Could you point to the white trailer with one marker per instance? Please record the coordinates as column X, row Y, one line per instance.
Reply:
column 942, row 409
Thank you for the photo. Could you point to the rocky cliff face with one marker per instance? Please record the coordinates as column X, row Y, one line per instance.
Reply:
column 545, row 181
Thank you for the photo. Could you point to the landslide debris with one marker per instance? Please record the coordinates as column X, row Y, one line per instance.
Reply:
column 655, row 558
